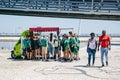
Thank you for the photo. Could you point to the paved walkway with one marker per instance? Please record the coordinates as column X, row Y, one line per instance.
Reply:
column 77, row 70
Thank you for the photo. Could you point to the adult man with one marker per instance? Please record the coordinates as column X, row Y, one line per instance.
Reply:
column 105, row 43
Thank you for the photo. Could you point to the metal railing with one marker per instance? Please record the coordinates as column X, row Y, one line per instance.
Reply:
column 108, row 6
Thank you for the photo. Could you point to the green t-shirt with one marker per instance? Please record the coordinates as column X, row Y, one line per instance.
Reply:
column 26, row 43
column 66, row 43
column 72, row 41
column 62, row 42
column 78, row 41
column 44, row 42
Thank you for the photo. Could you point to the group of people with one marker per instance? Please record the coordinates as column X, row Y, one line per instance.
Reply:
column 52, row 48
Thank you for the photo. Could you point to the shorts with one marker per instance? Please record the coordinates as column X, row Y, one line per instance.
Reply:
column 44, row 50
column 75, row 51
column 67, row 49
column 33, row 48
column 28, row 50
column 72, row 49
column 25, row 51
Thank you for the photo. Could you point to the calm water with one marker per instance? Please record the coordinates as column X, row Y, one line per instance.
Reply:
column 7, row 45
column 10, row 45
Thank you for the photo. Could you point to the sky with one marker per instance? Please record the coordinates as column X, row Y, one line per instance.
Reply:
column 17, row 24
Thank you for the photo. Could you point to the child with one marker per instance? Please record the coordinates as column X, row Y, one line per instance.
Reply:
column 27, row 46
column 37, row 47
column 56, row 45
column 67, row 48
column 44, row 43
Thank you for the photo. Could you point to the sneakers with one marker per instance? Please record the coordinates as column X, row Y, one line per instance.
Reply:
column 88, row 64
column 106, row 63
column 103, row 65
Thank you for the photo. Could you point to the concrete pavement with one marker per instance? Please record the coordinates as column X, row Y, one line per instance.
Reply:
column 77, row 70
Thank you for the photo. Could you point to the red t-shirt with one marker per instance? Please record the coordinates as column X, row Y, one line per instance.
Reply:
column 104, row 40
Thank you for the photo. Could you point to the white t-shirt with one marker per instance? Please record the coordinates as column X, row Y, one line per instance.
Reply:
column 92, row 43
column 56, row 43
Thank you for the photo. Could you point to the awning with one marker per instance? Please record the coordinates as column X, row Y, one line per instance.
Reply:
column 44, row 29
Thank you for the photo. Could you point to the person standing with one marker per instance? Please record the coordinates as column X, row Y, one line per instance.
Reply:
column 51, row 47
column 105, row 43
column 66, row 49
column 37, row 47
column 72, row 43
column 44, row 43
column 76, row 48
column 57, row 48
column 27, row 46
column 91, row 48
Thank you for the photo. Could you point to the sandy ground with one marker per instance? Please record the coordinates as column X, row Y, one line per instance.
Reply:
column 77, row 70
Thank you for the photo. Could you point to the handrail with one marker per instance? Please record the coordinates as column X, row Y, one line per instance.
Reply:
column 61, row 5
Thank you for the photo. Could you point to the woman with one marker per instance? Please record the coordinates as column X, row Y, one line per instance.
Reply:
column 91, row 49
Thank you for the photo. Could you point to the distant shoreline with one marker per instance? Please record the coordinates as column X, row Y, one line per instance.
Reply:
column 82, row 39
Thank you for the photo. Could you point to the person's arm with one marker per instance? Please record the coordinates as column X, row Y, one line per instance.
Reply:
column 109, row 44
column 99, row 42
column 96, row 45
column 30, row 44
column 87, row 46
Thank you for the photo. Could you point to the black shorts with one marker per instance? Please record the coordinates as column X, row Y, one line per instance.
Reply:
column 72, row 49
column 28, row 50
column 33, row 48
column 24, row 52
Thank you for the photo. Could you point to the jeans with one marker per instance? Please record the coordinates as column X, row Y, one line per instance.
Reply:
column 51, row 50
column 91, row 52
column 104, row 51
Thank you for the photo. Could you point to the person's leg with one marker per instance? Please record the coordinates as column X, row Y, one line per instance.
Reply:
column 30, row 55
column 102, row 56
column 50, row 52
column 106, row 55
column 27, row 55
column 93, row 57
column 43, row 53
column 78, row 58
column 59, row 52
column 89, row 58
column 35, row 53
column 67, row 54
column 38, row 50
column 53, row 54
column 71, row 56
column 56, row 54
